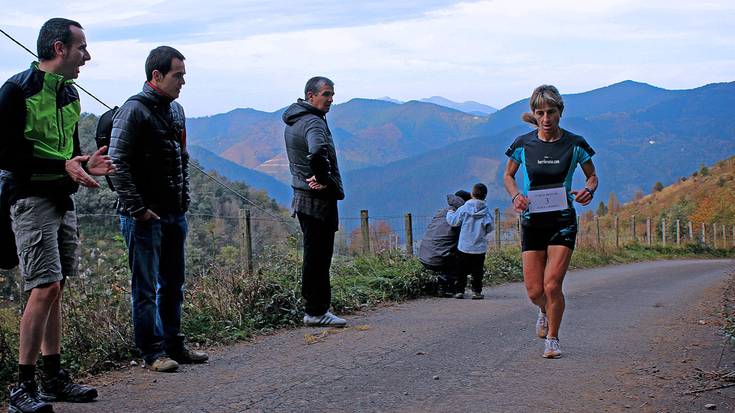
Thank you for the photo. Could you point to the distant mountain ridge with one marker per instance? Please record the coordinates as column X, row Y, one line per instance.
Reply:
column 368, row 132
column 471, row 107
column 642, row 134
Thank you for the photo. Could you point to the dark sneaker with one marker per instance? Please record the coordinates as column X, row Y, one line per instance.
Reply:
column 459, row 295
column 61, row 388
column 188, row 356
column 24, row 399
column 478, row 296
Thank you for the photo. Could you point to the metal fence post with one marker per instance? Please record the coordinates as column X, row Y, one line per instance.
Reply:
column 365, row 227
column 246, row 240
column 599, row 239
column 678, row 234
column 691, row 231
column 648, row 231
column 408, row 226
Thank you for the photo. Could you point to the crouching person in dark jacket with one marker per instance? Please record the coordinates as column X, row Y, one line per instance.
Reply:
column 317, row 186
column 152, row 182
column 438, row 248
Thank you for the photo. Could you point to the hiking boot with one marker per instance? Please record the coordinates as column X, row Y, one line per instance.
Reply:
column 542, row 325
column 163, row 364
column 459, row 295
column 61, row 388
column 188, row 356
column 327, row 319
column 478, row 295
column 551, row 348
column 24, row 399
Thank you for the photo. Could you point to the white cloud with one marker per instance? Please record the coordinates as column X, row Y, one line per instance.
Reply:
column 255, row 54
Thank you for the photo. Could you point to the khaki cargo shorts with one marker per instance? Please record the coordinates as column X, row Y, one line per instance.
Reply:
column 47, row 241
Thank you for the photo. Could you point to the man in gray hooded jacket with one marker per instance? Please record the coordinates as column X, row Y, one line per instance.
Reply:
column 317, row 185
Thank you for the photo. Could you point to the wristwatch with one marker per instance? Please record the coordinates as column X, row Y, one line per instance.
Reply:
column 591, row 191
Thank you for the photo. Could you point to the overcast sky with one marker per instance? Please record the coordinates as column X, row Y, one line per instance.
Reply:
column 259, row 54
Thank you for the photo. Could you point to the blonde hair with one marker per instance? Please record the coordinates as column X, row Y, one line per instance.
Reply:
column 544, row 94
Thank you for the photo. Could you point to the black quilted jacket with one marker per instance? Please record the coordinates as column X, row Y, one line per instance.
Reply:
column 147, row 147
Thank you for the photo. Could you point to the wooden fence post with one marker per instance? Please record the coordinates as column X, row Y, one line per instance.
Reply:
column 408, row 225
column 678, row 234
column 632, row 228
column 599, row 239
column 365, row 227
column 663, row 231
column 714, row 235
column 497, row 228
column 648, row 231
column 246, row 240
column 691, row 231
column 724, row 235
column 518, row 224
column 704, row 235
column 617, row 232
column 579, row 229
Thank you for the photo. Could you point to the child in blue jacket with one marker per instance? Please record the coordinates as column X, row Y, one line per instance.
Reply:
column 476, row 223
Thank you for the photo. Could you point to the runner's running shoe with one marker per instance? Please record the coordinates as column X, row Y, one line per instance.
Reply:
column 551, row 348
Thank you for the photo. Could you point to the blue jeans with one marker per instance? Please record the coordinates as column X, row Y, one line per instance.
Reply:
column 157, row 264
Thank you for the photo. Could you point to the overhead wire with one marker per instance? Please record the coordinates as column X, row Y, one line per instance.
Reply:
column 195, row 166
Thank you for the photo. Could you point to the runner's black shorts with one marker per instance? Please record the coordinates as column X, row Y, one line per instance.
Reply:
column 535, row 238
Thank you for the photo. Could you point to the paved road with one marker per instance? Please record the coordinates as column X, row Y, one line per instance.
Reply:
column 635, row 338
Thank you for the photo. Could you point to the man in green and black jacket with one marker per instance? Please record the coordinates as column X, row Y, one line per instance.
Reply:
column 41, row 157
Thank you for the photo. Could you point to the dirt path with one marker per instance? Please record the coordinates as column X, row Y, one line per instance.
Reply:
column 635, row 338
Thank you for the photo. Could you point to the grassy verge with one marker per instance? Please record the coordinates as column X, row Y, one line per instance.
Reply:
column 226, row 304
column 728, row 309
column 589, row 258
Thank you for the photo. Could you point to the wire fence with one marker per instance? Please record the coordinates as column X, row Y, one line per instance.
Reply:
column 244, row 237
column 252, row 240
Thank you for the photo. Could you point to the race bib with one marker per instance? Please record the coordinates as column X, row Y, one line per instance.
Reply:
column 547, row 200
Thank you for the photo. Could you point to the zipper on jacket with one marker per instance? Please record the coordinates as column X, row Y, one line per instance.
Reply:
column 60, row 125
column 60, row 119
